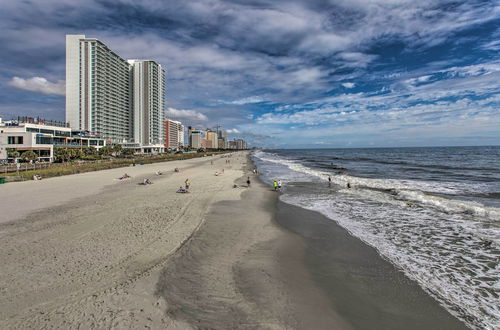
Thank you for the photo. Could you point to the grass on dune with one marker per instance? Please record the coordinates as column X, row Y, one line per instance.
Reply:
column 74, row 167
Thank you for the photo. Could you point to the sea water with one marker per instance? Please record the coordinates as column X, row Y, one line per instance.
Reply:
column 432, row 212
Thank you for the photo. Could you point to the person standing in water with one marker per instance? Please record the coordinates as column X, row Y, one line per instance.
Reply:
column 329, row 181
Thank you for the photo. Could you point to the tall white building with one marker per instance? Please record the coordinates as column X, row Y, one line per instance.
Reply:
column 121, row 100
column 148, row 102
column 174, row 134
column 98, row 89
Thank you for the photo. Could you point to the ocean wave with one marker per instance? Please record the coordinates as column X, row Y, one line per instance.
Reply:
column 414, row 191
column 455, row 261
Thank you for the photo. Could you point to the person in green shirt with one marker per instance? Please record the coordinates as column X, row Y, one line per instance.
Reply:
column 275, row 185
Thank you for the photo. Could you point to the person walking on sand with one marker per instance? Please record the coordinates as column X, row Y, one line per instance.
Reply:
column 187, row 184
column 279, row 185
column 248, row 182
column 275, row 185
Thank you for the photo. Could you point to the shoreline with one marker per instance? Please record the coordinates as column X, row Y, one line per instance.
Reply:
column 130, row 256
column 241, row 270
column 368, row 291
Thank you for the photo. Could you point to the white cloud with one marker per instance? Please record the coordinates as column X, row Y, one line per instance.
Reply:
column 185, row 114
column 349, row 85
column 247, row 100
column 38, row 84
column 233, row 131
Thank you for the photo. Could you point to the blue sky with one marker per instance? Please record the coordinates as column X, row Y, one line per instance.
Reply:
column 311, row 73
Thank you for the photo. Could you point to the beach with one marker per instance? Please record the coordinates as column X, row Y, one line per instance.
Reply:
column 89, row 251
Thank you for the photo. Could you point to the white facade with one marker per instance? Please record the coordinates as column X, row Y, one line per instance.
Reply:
column 181, row 133
column 121, row 100
column 148, row 103
column 174, row 134
column 41, row 139
column 98, row 89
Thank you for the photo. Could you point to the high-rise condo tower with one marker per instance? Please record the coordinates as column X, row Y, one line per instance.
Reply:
column 148, row 102
column 98, row 89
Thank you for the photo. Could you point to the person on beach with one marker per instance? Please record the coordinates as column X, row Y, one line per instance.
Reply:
column 182, row 190
column 275, row 185
column 159, row 173
column 177, row 169
column 248, row 182
column 279, row 185
column 329, row 181
column 187, row 184
column 124, row 176
column 348, row 185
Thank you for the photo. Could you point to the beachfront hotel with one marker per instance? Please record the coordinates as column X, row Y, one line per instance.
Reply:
column 174, row 134
column 98, row 89
column 121, row 100
column 147, row 107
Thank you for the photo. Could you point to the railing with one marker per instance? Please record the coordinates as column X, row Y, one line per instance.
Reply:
column 9, row 168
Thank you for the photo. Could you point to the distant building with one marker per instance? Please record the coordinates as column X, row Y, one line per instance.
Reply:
column 221, row 143
column 206, row 144
column 42, row 137
column 212, row 137
column 195, row 138
column 238, row 144
column 174, row 134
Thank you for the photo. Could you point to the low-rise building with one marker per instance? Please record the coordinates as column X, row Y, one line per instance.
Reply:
column 42, row 137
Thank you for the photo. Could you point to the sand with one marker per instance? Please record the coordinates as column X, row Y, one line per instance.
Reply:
column 87, row 251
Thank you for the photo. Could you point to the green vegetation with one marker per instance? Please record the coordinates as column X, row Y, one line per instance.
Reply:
column 12, row 153
column 71, row 167
column 28, row 156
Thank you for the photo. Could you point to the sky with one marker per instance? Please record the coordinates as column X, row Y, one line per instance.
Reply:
column 281, row 74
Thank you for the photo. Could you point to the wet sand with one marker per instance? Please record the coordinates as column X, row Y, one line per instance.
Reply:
column 367, row 291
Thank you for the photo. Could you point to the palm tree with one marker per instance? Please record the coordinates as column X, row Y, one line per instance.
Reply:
column 62, row 154
column 128, row 152
column 117, row 149
column 12, row 153
column 29, row 156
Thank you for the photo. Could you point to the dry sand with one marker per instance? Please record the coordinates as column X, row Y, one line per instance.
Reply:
column 85, row 250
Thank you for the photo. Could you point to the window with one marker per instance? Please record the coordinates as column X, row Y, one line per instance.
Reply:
column 32, row 129
column 14, row 140
column 43, row 140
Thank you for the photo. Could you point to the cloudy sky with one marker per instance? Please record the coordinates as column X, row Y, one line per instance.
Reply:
column 294, row 73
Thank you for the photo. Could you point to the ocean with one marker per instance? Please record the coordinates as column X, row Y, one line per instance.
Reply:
column 432, row 212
